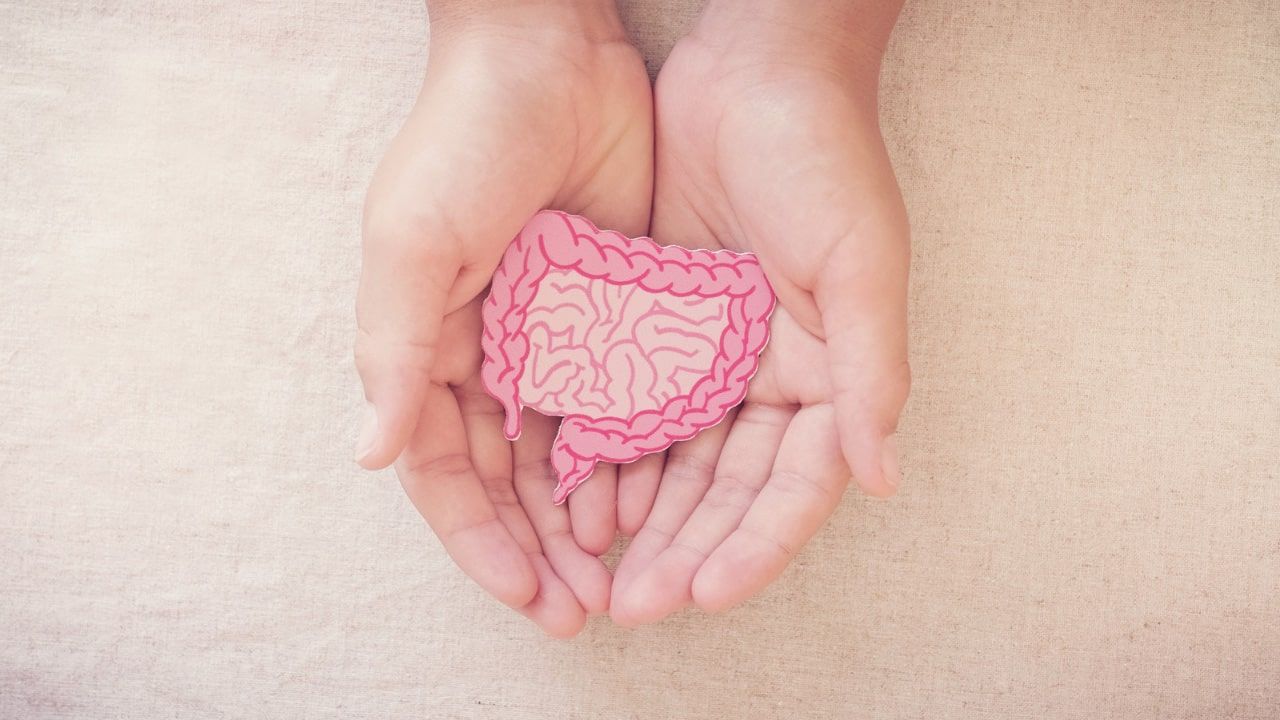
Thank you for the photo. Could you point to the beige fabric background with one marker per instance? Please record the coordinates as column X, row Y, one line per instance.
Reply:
column 1089, row 526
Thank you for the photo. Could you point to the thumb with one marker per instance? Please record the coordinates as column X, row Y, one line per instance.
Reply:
column 862, row 296
column 435, row 226
column 405, row 279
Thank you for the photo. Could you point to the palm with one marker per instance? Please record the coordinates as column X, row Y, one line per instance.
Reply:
column 504, row 126
column 791, row 167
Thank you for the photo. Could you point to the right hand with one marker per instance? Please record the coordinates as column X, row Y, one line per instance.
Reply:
column 523, row 107
column 768, row 141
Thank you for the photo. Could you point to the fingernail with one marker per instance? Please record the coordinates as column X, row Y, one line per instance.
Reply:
column 368, row 433
column 889, row 461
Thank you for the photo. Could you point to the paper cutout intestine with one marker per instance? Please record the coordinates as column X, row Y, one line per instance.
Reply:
column 635, row 345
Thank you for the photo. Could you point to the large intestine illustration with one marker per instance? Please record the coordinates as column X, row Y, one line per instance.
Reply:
column 635, row 345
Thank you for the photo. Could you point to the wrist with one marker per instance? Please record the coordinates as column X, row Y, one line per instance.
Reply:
column 845, row 38
column 594, row 21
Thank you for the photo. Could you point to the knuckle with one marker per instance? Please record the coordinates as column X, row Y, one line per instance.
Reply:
column 666, row 535
column 877, row 396
column 375, row 350
column 730, row 492
column 688, row 548
column 550, row 537
column 536, row 470
column 500, row 490
column 474, row 401
column 452, row 467
column 804, row 487
column 688, row 468
column 453, row 534
column 770, row 543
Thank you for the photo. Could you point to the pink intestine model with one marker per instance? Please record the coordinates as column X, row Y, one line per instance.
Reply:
column 634, row 344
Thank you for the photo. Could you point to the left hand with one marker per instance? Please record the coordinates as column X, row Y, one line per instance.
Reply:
column 524, row 106
column 773, row 148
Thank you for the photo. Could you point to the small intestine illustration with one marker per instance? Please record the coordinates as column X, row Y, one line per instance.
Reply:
column 634, row 345
column 614, row 350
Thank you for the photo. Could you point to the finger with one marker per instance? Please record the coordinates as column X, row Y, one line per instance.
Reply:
column 803, row 489
column 535, row 480
column 637, row 487
column 440, row 480
column 554, row 608
column 666, row 585
column 436, row 222
column 686, row 476
column 399, row 309
column 593, row 510
column 862, row 295
column 490, row 454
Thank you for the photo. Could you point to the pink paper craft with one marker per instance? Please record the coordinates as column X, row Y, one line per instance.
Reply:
column 634, row 344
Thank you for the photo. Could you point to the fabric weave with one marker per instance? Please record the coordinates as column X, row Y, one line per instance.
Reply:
column 1088, row 522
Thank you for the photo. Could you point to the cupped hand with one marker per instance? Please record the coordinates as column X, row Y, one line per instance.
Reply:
column 774, row 149
column 540, row 105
